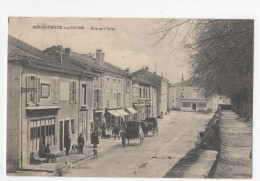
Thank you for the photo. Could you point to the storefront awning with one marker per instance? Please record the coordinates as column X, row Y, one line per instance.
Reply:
column 131, row 110
column 122, row 112
column 114, row 113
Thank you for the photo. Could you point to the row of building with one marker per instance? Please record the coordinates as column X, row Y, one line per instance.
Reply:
column 57, row 92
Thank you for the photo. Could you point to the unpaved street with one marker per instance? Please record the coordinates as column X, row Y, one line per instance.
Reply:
column 177, row 135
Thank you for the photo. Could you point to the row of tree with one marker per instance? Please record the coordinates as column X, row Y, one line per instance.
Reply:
column 221, row 56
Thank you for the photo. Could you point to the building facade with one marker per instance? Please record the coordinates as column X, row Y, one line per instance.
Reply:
column 187, row 96
column 144, row 98
column 161, row 84
column 49, row 98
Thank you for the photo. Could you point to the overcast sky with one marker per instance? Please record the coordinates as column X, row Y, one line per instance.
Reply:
column 130, row 45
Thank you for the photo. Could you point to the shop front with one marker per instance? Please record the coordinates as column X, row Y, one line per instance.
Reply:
column 132, row 114
column 98, row 118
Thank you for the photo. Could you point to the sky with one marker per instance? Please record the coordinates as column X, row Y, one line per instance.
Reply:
column 127, row 43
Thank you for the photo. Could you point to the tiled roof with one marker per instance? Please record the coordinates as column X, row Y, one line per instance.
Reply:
column 91, row 62
column 148, row 76
column 142, row 81
column 18, row 50
column 186, row 83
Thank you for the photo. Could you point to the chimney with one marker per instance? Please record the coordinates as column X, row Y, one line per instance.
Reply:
column 127, row 70
column 182, row 79
column 67, row 51
column 146, row 68
column 60, row 52
column 99, row 57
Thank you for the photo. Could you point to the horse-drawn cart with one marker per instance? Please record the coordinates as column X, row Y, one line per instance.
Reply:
column 150, row 125
column 132, row 130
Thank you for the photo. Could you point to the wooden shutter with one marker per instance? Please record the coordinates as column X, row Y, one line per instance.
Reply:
column 99, row 97
column 96, row 98
column 71, row 93
column 38, row 90
column 56, row 89
column 75, row 92
column 28, row 97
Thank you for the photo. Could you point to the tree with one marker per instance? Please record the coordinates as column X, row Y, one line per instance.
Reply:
column 221, row 57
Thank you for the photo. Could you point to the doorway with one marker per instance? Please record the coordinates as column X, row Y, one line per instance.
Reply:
column 193, row 106
column 66, row 131
column 61, row 136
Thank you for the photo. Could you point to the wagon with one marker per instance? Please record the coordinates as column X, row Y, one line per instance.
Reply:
column 132, row 130
column 150, row 124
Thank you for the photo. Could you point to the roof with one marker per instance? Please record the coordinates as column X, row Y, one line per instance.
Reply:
column 21, row 51
column 142, row 81
column 85, row 60
column 186, row 83
column 149, row 76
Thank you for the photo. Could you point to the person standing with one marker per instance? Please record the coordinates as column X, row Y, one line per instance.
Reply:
column 68, row 144
column 116, row 130
column 103, row 128
column 81, row 143
column 94, row 138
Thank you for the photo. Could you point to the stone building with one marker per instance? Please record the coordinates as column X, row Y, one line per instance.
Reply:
column 161, row 84
column 48, row 97
column 144, row 98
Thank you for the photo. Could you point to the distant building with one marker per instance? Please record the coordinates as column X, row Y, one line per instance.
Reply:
column 187, row 96
column 161, row 84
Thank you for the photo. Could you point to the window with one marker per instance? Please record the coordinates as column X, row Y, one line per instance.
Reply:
column 107, row 80
column 72, row 92
column 186, row 104
column 119, row 99
column 72, row 126
column 97, row 98
column 115, row 99
column 201, row 104
column 149, row 93
column 84, row 94
column 45, row 89
column 108, row 97
column 182, row 95
column 143, row 92
column 33, row 96
column 97, row 79
column 140, row 92
column 128, row 86
column 42, row 132
column 114, row 83
column 119, row 82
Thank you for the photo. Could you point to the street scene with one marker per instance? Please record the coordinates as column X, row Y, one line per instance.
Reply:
column 145, row 98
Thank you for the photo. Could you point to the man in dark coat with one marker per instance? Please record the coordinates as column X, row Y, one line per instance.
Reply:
column 94, row 138
column 116, row 130
column 81, row 143
column 68, row 144
column 103, row 128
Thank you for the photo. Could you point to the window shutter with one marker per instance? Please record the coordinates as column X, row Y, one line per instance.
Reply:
column 28, row 97
column 95, row 98
column 75, row 91
column 99, row 97
column 38, row 90
column 56, row 90
column 71, row 93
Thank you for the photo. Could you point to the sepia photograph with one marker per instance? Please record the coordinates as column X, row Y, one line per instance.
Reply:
column 130, row 97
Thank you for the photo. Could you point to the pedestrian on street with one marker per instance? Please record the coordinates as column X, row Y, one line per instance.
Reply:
column 94, row 138
column 116, row 131
column 68, row 144
column 103, row 128
column 81, row 143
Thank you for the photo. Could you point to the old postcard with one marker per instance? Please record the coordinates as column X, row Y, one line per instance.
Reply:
column 114, row 97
